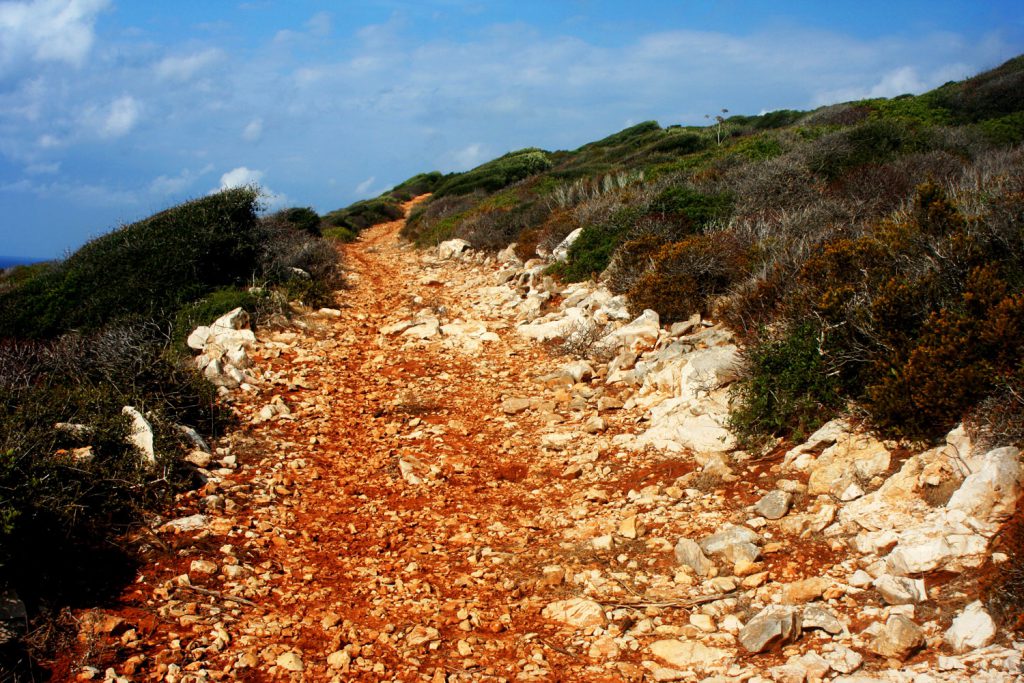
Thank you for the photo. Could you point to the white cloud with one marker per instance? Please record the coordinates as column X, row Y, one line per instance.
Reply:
column 117, row 118
column 253, row 130
column 243, row 176
column 174, row 185
column 319, row 25
column 48, row 30
column 91, row 194
column 43, row 168
column 184, row 67
column 47, row 141
column 363, row 188
column 469, row 157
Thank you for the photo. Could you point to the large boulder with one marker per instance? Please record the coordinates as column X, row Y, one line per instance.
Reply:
column 689, row 554
column 675, row 427
column 688, row 654
column 855, row 459
column 971, row 629
column 898, row 639
column 576, row 612
column 452, row 249
column 640, row 334
column 990, row 494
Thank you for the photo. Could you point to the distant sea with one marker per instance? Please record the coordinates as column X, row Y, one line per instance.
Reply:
column 8, row 261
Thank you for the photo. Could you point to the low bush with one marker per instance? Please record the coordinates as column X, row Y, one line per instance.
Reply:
column 590, row 253
column 435, row 222
column 300, row 218
column 420, row 184
column 632, row 260
column 954, row 363
column 359, row 216
column 694, row 210
column 685, row 276
column 787, row 388
column 149, row 268
column 81, row 487
column 873, row 141
column 545, row 236
column 304, row 267
column 496, row 174
column 495, row 228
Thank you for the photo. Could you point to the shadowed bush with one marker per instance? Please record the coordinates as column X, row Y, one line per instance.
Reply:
column 786, row 389
column 149, row 268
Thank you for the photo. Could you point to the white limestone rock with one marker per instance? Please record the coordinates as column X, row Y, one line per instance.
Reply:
column 990, row 493
column 971, row 629
column 576, row 612
column 451, row 249
column 140, row 435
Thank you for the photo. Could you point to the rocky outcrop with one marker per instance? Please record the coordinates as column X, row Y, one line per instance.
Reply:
column 432, row 496
column 223, row 347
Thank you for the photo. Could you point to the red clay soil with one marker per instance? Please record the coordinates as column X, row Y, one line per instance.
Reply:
column 339, row 554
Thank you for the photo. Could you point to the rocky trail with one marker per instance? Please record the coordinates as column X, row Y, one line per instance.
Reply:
column 422, row 491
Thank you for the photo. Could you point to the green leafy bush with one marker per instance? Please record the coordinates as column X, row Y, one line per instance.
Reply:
column 149, row 268
column 956, row 361
column 590, row 253
column 695, row 210
column 786, row 389
column 496, row 174
column 420, row 184
column 301, row 218
column 364, row 214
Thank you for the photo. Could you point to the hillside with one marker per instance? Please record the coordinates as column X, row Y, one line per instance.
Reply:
column 422, row 491
column 857, row 248
column 732, row 402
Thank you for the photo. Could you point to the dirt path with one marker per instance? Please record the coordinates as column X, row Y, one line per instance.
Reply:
column 395, row 526
column 418, row 493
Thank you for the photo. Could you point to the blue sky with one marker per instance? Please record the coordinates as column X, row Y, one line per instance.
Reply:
column 111, row 110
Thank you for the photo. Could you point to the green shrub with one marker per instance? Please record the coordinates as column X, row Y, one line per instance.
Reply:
column 1005, row 130
column 363, row 214
column 694, row 210
column 627, row 136
column 631, row 261
column 786, row 390
column 301, row 218
column 149, row 268
column 590, row 253
column 681, row 143
column 420, row 184
column 494, row 175
column 956, row 361
column 873, row 141
column 988, row 95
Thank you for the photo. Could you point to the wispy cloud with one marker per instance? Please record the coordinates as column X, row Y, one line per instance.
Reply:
column 185, row 67
column 363, row 188
column 167, row 186
column 253, row 130
column 113, row 120
column 48, row 31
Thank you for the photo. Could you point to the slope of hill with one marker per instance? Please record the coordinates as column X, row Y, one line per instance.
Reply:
column 870, row 253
